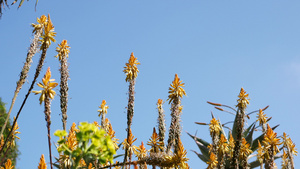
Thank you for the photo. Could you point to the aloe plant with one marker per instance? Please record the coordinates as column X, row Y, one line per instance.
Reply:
column 224, row 149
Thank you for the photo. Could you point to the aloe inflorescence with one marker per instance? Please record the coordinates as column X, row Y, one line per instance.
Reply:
column 236, row 150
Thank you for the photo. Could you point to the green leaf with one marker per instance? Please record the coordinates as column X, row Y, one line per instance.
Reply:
column 248, row 129
column 249, row 137
column 60, row 133
column 233, row 131
column 202, row 144
column 202, row 157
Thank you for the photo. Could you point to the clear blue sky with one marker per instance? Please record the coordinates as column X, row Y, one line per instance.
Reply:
column 215, row 47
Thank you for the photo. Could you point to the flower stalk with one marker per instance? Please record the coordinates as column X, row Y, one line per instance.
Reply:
column 63, row 54
column 131, row 72
column 38, row 29
column 47, row 36
column 161, row 122
column 46, row 95
column 243, row 101
column 176, row 92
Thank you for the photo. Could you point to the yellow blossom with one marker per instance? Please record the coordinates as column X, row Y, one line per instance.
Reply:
column 154, row 142
column 47, row 86
column 180, row 156
column 260, row 153
column 14, row 132
column 103, row 108
column 127, row 144
column 261, row 117
column 111, row 133
column 285, row 160
column 214, row 127
column 243, row 100
column 62, row 49
column 223, row 145
column 42, row 22
column 245, row 149
column 176, row 90
column 271, row 140
column 8, row 165
column 48, row 34
column 42, row 164
column 213, row 161
column 159, row 103
column 288, row 143
column 71, row 139
column 140, row 151
column 231, row 145
column 131, row 69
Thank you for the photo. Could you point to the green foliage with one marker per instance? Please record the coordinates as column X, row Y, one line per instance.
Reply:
column 93, row 144
column 13, row 151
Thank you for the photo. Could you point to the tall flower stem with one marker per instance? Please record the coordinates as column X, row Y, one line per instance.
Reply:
column 37, row 72
column 238, row 140
column 63, row 54
column 47, row 36
column 243, row 101
column 161, row 121
column 131, row 71
column 64, row 90
column 47, row 112
column 176, row 92
column 130, row 112
column 46, row 94
column 175, row 129
column 24, row 73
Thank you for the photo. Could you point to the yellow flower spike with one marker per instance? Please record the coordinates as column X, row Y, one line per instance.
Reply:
column 140, row 151
column 287, row 142
column 111, row 133
column 131, row 69
column 270, row 139
column 47, row 86
column 223, row 145
column 176, row 90
column 261, row 117
column 245, row 150
column 71, row 139
column 214, row 127
column 213, row 161
column 8, row 165
column 103, row 108
column 16, row 127
column 42, row 22
column 285, row 160
column 159, row 103
column 180, row 156
column 62, row 49
column 154, row 142
column 48, row 35
column 243, row 100
column 231, row 145
column 42, row 164
column 127, row 144
column 260, row 153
